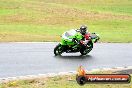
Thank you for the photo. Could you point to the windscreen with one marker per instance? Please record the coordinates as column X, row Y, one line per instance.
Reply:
column 69, row 33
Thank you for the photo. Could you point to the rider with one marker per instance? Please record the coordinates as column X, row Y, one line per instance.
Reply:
column 84, row 31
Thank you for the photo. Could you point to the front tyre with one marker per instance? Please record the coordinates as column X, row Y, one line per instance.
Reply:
column 58, row 50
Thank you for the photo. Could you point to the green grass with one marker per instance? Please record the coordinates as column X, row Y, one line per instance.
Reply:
column 46, row 20
column 107, row 6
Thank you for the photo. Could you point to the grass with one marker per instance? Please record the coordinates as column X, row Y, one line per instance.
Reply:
column 66, row 81
column 46, row 20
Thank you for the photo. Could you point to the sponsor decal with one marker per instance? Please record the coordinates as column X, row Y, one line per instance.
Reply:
column 83, row 78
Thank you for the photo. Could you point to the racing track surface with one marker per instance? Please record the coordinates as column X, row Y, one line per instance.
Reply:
column 18, row 59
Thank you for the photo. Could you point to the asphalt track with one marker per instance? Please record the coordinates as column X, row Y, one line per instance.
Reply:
column 18, row 59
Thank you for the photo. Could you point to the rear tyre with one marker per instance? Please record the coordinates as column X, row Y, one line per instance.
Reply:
column 58, row 50
column 86, row 49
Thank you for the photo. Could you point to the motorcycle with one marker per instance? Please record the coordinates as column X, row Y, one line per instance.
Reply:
column 80, row 45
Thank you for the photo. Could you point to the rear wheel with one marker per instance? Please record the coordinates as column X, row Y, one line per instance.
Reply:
column 58, row 50
column 86, row 49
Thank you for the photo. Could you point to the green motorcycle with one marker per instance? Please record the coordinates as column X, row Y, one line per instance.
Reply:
column 80, row 43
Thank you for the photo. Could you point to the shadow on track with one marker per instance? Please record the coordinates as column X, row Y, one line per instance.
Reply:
column 74, row 57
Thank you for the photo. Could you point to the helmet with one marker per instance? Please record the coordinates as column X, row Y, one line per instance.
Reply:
column 83, row 29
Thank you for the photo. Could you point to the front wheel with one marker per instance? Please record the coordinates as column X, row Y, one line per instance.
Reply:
column 58, row 50
column 86, row 49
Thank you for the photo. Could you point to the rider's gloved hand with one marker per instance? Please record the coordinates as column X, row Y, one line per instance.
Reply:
column 74, row 40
